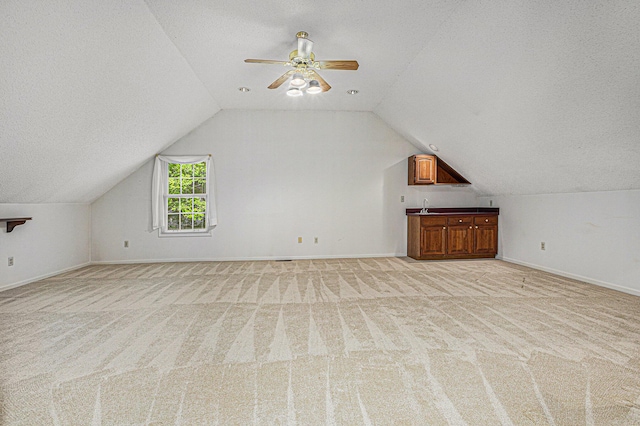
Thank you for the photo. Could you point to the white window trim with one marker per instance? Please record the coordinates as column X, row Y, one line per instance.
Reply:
column 173, row 234
column 160, row 195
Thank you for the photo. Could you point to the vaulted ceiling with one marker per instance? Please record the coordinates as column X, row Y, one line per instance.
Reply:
column 520, row 96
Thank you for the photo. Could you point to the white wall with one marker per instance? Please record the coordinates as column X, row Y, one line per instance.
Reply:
column 56, row 240
column 279, row 175
column 591, row 236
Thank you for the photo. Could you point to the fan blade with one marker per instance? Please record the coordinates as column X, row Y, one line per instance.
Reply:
column 325, row 86
column 264, row 61
column 281, row 80
column 339, row 65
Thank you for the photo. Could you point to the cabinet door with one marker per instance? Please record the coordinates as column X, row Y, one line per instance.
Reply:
column 460, row 240
column 432, row 240
column 486, row 239
column 424, row 170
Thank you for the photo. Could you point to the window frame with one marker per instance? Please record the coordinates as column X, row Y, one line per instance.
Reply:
column 164, row 231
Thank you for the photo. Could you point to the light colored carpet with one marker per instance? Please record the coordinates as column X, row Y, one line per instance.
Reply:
column 348, row 342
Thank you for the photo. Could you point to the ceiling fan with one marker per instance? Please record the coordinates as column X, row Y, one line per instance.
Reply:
column 304, row 64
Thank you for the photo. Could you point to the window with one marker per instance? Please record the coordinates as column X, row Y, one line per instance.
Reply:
column 182, row 201
column 187, row 198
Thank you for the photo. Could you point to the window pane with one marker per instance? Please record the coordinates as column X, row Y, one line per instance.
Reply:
column 174, row 170
column 173, row 205
column 173, row 223
column 199, row 186
column 186, row 221
column 199, row 205
column 187, row 185
column 200, row 170
column 186, row 205
column 187, row 170
column 198, row 221
column 174, row 185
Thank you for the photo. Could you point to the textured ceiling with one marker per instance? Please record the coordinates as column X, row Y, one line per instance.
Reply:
column 89, row 90
column 529, row 97
column 521, row 97
column 217, row 36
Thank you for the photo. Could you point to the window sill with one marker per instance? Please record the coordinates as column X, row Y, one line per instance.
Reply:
column 174, row 234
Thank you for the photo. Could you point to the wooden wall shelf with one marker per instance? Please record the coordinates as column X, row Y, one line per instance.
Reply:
column 12, row 222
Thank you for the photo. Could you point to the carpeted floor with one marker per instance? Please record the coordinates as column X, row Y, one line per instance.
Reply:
column 347, row 342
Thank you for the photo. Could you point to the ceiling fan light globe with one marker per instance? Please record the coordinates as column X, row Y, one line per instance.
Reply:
column 314, row 87
column 294, row 91
column 298, row 80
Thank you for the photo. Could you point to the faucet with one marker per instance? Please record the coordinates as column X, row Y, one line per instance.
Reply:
column 425, row 205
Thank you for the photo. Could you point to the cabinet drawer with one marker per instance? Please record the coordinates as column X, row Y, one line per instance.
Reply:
column 485, row 220
column 459, row 220
column 433, row 221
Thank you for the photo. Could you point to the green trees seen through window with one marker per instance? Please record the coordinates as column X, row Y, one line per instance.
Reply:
column 187, row 201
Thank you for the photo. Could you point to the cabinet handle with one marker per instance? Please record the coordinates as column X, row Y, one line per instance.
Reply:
column 486, row 220
column 460, row 220
column 471, row 227
column 444, row 227
column 476, row 227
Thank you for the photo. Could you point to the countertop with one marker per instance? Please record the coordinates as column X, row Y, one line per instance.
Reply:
column 448, row 211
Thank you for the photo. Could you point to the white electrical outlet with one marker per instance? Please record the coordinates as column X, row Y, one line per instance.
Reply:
column 126, row 244
column 315, row 240
column 542, row 246
column 11, row 261
column 402, row 198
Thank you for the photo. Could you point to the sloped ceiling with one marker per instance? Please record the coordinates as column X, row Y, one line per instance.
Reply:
column 529, row 97
column 520, row 97
column 89, row 91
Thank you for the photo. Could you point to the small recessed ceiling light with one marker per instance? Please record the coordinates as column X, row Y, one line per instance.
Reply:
column 433, row 147
column 352, row 92
column 244, row 89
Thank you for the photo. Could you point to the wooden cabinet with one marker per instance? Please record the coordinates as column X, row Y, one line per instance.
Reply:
column 433, row 236
column 459, row 235
column 452, row 236
column 431, row 170
column 485, row 235
column 422, row 170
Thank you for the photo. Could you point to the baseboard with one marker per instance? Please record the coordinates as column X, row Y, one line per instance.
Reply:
column 245, row 259
column 574, row 276
column 42, row 277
